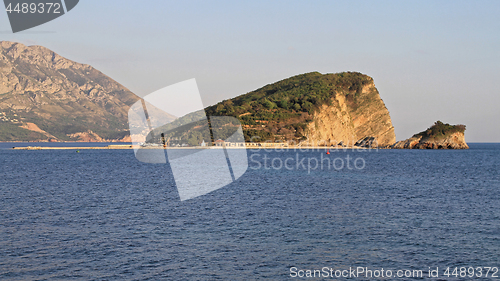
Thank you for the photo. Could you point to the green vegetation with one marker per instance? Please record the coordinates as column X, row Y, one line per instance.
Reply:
column 280, row 111
column 195, row 132
column 256, row 135
column 11, row 132
column 440, row 130
column 275, row 112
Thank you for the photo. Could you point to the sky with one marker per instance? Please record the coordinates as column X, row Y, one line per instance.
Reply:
column 430, row 60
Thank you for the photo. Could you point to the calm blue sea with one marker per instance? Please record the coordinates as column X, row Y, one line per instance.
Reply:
column 103, row 215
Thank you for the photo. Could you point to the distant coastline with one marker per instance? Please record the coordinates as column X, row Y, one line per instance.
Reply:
column 130, row 146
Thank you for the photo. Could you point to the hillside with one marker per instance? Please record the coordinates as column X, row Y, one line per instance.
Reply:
column 44, row 96
column 313, row 107
column 321, row 109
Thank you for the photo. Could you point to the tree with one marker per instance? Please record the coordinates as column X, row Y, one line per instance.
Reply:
column 283, row 104
column 268, row 104
column 195, row 138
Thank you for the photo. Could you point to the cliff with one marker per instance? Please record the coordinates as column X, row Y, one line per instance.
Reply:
column 44, row 96
column 439, row 136
column 330, row 109
column 349, row 122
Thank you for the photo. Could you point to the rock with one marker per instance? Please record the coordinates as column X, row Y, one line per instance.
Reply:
column 439, row 136
column 351, row 121
column 86, row 137
column 367, row 142
column 407, row 144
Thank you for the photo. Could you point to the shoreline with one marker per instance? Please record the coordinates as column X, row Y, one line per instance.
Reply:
column 114, row 147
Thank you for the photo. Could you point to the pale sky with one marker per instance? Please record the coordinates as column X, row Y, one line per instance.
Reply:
column 431, row 60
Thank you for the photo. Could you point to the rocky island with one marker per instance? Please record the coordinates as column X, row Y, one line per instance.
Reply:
column 438, row 136
column 318, row 109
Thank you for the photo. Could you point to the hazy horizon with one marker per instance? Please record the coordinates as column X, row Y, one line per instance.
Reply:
column 430, row 60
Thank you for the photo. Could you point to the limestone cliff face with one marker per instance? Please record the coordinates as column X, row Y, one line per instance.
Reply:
column 452, row 141
column 350, row 119
column 45, row 96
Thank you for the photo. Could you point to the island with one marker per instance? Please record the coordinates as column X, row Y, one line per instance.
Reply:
column 438, row 136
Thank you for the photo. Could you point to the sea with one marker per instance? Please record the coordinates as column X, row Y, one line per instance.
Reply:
column 104, row 215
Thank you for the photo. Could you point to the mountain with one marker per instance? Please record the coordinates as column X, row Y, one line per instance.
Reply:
column 341, row 108
column 44, row 96
column 438, row 136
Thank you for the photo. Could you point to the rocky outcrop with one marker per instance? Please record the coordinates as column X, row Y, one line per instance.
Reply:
column 367, row 142
column 352, row 121
column 453, row 141
column 451, row 138
column 33, row 127
column 86, row 137
column 50, row 97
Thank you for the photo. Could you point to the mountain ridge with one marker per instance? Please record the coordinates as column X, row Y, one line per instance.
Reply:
column 44, row 96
